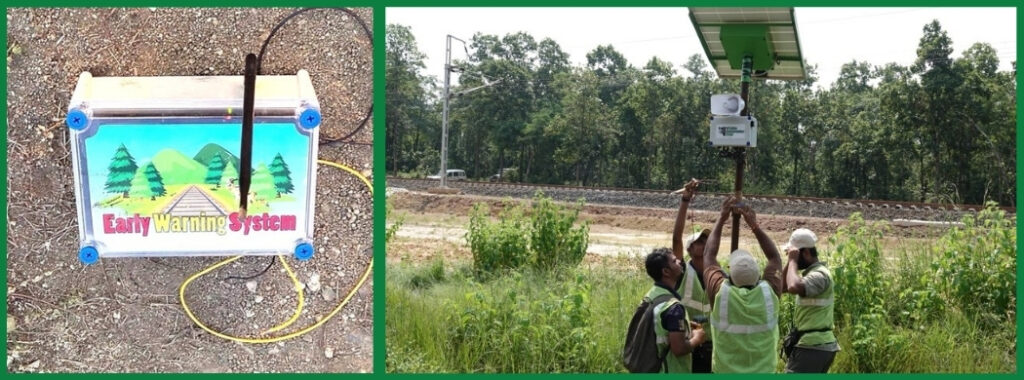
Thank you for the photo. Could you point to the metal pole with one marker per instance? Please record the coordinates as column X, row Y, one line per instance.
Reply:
column 741, row 153
column 444, row 112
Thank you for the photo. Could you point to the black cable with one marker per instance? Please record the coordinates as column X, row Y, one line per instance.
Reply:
column 369, row 37
column 262, row 272
column 246, row 153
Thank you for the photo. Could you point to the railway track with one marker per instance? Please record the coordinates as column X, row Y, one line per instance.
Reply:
column 772, row 204
column 194, row 202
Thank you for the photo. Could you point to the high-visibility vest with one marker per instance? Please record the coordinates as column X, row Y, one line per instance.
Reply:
column 695, row 299
column 745, row 329
column 813, row 313
column 676, row 364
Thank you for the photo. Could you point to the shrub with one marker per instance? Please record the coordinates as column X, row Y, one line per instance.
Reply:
column 547, row 240
column 860, row 283
column 499, row 245
column 977, row 265
column 553, row 240
column 396, row 222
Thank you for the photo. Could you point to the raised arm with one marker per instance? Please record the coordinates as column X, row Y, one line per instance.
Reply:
column 771, row 252
column 793, row 283
column 688, row 191
column 713, row 275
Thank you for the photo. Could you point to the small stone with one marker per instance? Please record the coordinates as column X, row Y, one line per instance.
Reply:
column 329, row 294
column 12, row 323
column 117, row 315
column 32, row 367
column 259, row 299
column 37, row 278
column 249, row 313
column 274, row 351
column 329, row 353
column 314, row 283
column 251, row 285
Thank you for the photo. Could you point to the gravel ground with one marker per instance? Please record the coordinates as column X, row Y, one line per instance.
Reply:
column 704, row 202
column 123, row 315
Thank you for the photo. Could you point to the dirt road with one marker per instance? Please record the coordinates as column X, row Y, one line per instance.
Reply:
column 435, row 225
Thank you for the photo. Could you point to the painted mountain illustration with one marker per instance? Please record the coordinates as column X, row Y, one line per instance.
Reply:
column 176, row 168
column 206, row 155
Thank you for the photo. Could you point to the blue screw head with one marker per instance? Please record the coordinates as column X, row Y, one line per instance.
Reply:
column 309, row 119
column 77, row 119
column 88, row 255
column 303, row 251
column 748, row 143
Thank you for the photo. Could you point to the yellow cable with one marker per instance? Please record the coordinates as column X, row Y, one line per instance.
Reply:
column 295, row 281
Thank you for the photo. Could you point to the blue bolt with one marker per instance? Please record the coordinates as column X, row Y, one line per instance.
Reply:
column 303, row 251
column 309, row 119
column 748, row 143
column 77, row 119
column 88, row 255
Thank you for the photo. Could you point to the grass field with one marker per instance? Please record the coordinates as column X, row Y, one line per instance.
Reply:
column 944, row 306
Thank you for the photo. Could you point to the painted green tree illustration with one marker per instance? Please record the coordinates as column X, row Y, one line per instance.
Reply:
column 214, row 171
column 282, row 176
column 156, row 181
column 121, row 172
column 230, row 173
column 140, row 185
column 262, row 182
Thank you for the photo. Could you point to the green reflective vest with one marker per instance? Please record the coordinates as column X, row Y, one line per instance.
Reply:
column 676, row 364
column 695, row 299
column 745, row 329
column 814, row 313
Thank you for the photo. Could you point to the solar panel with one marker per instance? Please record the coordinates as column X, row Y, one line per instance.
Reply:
column 767, row 34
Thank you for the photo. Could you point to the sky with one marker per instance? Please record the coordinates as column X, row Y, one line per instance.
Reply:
column 145, row 141
column 829, row 37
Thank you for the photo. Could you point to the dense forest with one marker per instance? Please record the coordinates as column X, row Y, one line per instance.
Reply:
column 939, row 130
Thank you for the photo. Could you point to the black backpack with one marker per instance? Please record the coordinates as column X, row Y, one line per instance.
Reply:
column 640, row 353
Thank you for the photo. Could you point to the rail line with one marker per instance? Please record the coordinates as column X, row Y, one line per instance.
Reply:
column 792, row 205
column 193, row 201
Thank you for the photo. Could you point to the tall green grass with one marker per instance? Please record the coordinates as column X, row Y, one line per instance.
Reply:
column 943, row 307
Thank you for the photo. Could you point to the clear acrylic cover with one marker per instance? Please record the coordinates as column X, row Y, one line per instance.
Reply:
column 156, row 165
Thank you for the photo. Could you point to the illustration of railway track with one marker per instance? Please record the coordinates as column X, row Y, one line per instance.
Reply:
column 192, row 202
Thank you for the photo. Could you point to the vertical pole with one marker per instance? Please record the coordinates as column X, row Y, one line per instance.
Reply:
column 748, row 64
column 444, row 112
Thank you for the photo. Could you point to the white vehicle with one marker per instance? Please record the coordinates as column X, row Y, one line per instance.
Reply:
column 453, row 175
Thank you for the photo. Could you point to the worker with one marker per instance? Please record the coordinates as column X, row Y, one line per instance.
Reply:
column 744, row 315
column 693, row 296
column 811, row 332
column 675, row 335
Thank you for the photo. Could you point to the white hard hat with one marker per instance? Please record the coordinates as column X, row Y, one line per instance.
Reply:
column 803, row 238
column 696, row 236
column 742, row 268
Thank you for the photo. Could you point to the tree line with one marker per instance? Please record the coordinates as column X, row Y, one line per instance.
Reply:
column 939, row 130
